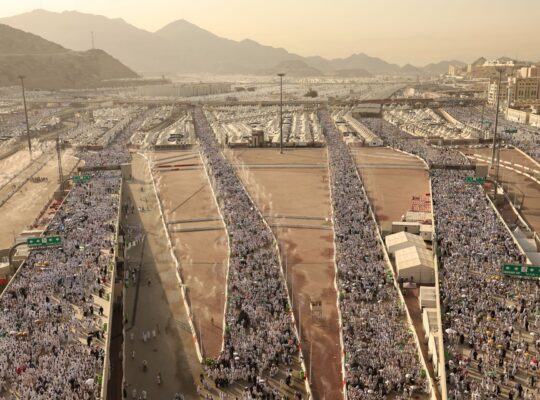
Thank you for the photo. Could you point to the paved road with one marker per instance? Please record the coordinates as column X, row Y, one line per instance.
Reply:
column 525, row 191
column 156, row 306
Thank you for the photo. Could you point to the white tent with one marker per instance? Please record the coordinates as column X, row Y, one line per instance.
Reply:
column 415, row 263
column 427, row 297
column 429, row 321
column 402, row 240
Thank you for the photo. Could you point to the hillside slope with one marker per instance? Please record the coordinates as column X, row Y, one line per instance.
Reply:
column 48, row 65
column 182, row 47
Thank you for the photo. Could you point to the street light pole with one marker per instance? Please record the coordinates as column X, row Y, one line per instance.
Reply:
column 59, row 155
column 496, row 118
column 496, row 145
column 21, row 77
column 281, row 75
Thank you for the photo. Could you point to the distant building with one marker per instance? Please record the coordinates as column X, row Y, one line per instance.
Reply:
column 534, row 120
column 522, row 91
column 499, row 63
column 493, row 91
column 478, row 63
column 520, row 116
column 529, row 72
column 456, row 70
column 525, row 90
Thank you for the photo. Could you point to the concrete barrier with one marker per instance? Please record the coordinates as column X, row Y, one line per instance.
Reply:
column 105, row 376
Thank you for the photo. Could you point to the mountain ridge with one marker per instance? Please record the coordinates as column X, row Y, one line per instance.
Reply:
column 183, row 47
column 48, row 65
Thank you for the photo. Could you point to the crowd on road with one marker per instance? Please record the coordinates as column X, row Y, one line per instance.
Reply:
column 259, row 332
column 491, row 323
column 54, row 320
column 382, row 359
column 525, row 137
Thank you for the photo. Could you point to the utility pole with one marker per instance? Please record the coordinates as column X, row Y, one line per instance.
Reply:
column 281, row 75
column 300, row 320
column 22, row 77
column 59, row 154
column 482, row 120
column 310, row 358
column 496, row 145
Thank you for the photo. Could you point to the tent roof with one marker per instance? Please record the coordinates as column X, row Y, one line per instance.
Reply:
column 404, row 237
column 414, row 257
column 427, row 293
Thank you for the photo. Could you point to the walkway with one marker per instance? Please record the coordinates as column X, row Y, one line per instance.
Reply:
column 153, row 304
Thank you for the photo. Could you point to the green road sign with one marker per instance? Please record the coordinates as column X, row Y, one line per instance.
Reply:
column 510, row 130
column 527, row 271
column 52, row 240
column 44, row 241
column 475, row 179
column 81, row 178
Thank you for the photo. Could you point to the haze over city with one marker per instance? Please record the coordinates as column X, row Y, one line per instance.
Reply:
column 278, row 200
column 416, row 31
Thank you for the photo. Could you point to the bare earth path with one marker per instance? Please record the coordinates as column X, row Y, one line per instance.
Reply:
column 203, row 254
column 292, row 192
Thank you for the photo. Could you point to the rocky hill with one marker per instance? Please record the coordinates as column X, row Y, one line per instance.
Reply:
column 182, row 47
column 47, row 65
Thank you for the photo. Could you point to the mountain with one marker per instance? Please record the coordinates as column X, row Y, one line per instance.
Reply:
column 479, row 62
column 181, row 47
column 377, row 66
column 295, row 68
column 441, row 67
column 373, row 65
column 13, row 41
column 48, row 65
column 132, row 46
column 195, row 49
column 352, row 73
column 409, row 69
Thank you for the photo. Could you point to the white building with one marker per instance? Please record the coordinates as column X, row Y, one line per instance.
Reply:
column 402, row 240
column 427, row 298
column 415, row 264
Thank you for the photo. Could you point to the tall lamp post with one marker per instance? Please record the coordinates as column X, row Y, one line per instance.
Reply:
column 496, row 146
column 281, row 75
column 59, row 155
column 21, row 77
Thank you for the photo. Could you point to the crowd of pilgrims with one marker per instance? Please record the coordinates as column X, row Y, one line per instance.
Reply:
column 527, row 137
column 491, row 323
column 52, row 330
column 381, row 359
column 259, row 331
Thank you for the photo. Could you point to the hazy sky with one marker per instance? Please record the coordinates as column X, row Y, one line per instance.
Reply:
column 401, row 31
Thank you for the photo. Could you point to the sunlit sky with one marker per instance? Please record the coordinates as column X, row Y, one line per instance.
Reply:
column 401, row 31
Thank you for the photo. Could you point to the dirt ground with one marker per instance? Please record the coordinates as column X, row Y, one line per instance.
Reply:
column 287, row 194
column 23, row 208
column 203, row 255
column 525, row 191
column 391, row 180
